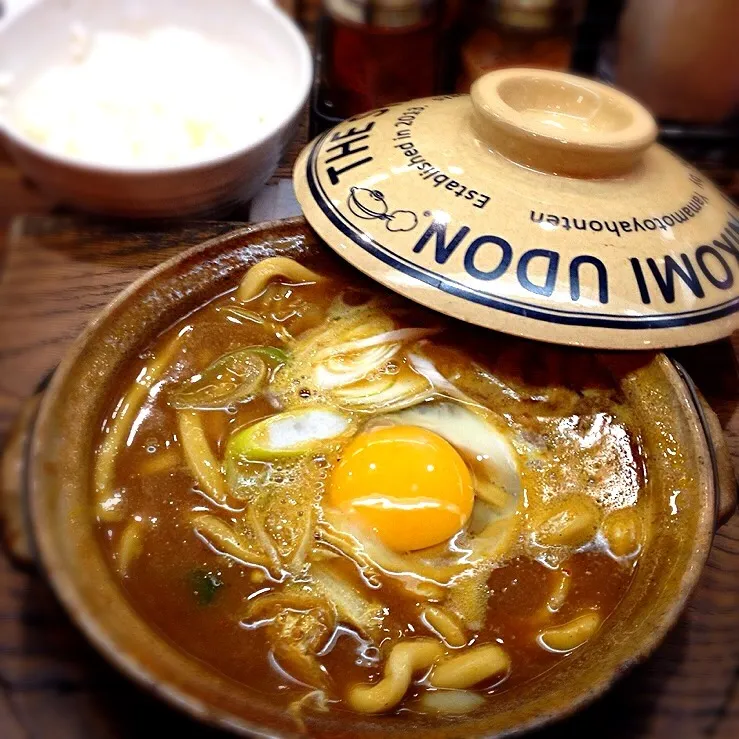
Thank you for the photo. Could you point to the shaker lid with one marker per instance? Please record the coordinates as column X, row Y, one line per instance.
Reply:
column 539, row 205
column 526, row 14
column 381, row 13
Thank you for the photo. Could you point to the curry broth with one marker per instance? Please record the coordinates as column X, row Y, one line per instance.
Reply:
column 562, row 405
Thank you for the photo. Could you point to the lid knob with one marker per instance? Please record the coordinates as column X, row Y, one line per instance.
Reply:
column 560, row 123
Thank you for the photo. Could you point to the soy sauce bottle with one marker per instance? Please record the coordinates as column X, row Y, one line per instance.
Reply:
column 374, row 53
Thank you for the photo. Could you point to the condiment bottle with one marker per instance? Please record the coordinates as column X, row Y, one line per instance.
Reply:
column 378, row 52
column 531, row 33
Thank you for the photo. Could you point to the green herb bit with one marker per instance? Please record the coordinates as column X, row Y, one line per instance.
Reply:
column 271, row 352
column 205, row 585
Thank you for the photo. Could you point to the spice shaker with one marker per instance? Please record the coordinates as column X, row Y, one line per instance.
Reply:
column 532, row 33
column 377, row 52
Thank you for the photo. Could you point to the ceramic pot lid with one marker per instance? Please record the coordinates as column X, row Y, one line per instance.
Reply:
column 539, row 205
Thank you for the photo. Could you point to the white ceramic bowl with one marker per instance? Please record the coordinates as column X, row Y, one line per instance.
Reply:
column 36, row 34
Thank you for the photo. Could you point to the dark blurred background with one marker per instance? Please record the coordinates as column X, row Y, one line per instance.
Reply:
column 679, row 57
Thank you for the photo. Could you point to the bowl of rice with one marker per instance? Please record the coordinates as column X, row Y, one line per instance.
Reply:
column 146, row 110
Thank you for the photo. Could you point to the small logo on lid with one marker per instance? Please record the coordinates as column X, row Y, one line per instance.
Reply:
column 371, row 205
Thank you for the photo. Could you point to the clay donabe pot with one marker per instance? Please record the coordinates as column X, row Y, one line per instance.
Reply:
column 64, row 527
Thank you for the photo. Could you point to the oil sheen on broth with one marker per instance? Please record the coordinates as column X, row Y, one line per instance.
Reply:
column 339, row 499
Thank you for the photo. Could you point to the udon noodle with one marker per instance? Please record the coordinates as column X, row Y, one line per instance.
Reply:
column 337, row 498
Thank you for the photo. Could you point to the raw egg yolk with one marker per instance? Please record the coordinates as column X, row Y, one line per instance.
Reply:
column 409, row 485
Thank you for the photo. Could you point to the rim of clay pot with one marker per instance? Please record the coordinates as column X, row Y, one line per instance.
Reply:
column 91, row 599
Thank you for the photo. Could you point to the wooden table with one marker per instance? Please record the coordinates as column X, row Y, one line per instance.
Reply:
column 56, row 274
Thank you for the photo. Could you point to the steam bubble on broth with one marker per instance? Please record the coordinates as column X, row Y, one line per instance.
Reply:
column 343, row 585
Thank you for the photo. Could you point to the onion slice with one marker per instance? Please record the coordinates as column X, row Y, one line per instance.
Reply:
column 404, row 391
column 232, row 378
column 397, row 336
column 425, row 367
column 336, row 372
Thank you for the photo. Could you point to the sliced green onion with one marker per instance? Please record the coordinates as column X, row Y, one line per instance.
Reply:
column 271, row 352
column 232, row 378
column 290, row 434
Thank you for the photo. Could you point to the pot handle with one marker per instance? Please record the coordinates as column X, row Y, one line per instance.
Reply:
column 726, row 483
column 723, row 470
column 15, row 525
